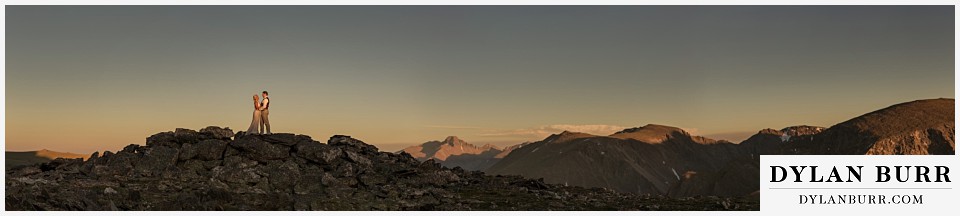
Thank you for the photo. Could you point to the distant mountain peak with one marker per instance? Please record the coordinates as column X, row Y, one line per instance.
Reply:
column 566, row 135
column 770, row 131
column 651, row 128
column 800, row 130
column 792, row 131
column 453, row 140
column 450, row 146
column 651, row 133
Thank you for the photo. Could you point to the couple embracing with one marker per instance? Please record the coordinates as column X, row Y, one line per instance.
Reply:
column 261, row 111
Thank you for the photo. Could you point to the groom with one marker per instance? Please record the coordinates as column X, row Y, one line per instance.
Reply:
column 265, row 113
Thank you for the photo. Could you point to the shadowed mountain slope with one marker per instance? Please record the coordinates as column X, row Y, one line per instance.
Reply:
column 913, row 128
column 627, row 161
column 15, row 159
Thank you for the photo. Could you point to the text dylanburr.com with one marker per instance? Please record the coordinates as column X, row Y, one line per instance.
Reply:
column 797, row 184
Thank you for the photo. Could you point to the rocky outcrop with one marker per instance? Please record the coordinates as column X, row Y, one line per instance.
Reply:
column 771, row 142
column 215, row 169
column 800, row 130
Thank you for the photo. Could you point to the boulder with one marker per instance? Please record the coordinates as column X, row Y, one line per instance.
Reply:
column 115, row 164
column 188, row 151
column 132, row 148
column 192, row 168
column 162, row 139
column 214, row 132
column 311, row 181
column 351, row 143
column 155, row 160
column 358, row 159
column 259, row 150
column 183, row 135
column 281, row 138
column 317, row 152
column 211, row 149
column 239, row 162
column 283, row 176
column 235, row 175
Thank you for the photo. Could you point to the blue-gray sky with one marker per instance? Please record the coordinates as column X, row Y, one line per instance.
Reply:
column 88, row 78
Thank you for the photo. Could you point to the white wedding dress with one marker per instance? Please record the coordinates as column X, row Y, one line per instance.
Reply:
column 255, row 124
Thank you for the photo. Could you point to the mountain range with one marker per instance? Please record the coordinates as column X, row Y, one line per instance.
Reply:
column 454, row 152
column 653, row 159
column 665, row 160
column 632, row 164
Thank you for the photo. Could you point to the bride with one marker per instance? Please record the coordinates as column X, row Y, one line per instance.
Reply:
column 254, row 125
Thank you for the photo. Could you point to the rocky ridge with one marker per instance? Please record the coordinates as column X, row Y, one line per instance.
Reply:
column 215, row 169
column 912, row 128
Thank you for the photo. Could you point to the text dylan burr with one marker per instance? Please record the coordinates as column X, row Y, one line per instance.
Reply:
column 855, row 174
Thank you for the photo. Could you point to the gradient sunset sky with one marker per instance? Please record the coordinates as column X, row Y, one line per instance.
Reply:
column 93, row 78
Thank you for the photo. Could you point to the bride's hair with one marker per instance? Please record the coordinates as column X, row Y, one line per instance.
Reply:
column 255, row 97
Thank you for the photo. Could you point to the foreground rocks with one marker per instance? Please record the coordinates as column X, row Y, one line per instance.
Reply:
column 215, row 169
